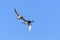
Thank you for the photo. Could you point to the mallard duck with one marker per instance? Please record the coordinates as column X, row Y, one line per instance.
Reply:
column 27, row 22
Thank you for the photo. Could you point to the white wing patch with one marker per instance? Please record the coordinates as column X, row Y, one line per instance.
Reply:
column 19, row 17
column 29, row 27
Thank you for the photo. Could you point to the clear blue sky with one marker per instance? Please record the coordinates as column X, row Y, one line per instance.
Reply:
column 45, row 13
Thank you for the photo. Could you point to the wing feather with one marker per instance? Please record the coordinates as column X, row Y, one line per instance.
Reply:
column 16, row 12
column 18, row 15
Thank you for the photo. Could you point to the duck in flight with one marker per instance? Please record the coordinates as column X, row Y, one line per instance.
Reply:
column 27, row 22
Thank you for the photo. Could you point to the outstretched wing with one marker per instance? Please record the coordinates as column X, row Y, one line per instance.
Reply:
column 19, row 16
column 16, row 12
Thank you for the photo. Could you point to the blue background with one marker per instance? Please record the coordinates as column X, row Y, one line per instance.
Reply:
column 45, row 13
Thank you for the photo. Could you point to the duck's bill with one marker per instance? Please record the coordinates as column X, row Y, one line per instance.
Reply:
column 29, row 28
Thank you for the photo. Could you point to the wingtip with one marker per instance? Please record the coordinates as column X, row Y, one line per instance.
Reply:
column 14, row 9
